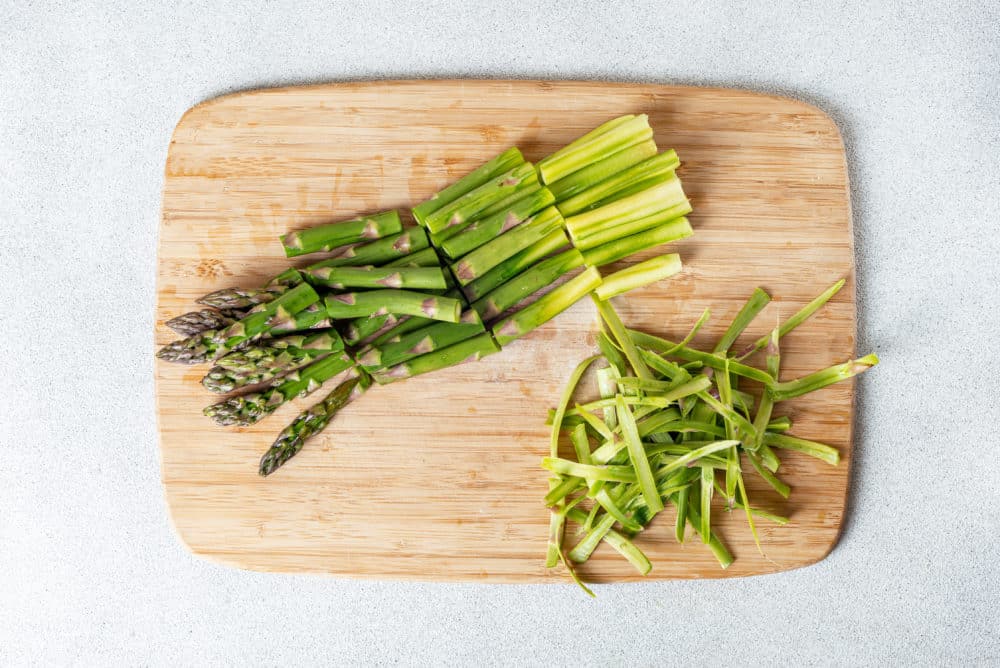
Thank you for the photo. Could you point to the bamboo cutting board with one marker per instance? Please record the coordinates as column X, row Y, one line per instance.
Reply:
column 437, row 477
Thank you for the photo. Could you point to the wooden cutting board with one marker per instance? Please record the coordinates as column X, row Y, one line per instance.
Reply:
column 437, row 477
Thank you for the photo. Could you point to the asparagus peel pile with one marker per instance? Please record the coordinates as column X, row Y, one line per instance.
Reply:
column 492, row 257
column 672, row 429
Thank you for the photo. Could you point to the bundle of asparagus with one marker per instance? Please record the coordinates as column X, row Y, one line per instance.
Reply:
column 401, row 311
column 669, row 429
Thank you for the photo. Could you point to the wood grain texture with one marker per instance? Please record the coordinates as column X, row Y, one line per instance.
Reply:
column 437, row 477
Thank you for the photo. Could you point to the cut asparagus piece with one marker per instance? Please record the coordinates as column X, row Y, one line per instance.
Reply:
column 820, row 379
column 397, row 302
column 366, row 327
column 547, row 307
column 377, row 252
column 640, row 274
column 600, row 171
column 531, row 281
column 514, row 265
column 197, row 322
column 486, row 229
column 607, row 139
column 261, row 317
column 489, row 255
column 422, row 341
column 617, row 249
column 655, row 170
column 311, row 422
column 411, row 278
column 459, row 353
column 248, row 409
column 243, row 298
column 472, row 203
column 502, row 163
column 425, row 257
column 643, row 204
column 610, row 234
column 335, row 235
column 268, row 364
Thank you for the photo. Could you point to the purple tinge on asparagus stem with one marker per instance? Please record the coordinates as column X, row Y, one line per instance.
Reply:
column 510, row 221
column 402, row 244
column 370, row 231
column 509, row 328
column 430, row 307
column 346, row 298
column 393, row 280
column 425, row 345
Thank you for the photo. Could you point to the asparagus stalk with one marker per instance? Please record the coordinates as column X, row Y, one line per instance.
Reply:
column 546, row 308
column 514, row 265
column 377, row 252
column 652, row 171
column 513, row 292
column 421, row 341
column 259, row 320
column 335, row 235
column 640, row 274
column 425, row 257
column 607, row 139
column 194, row 349
column 502, row 163
column 197, row 322
column 267, row 364
column 820, row 379
column 413, row 278
column 600, row 171
column 491, row 254
column 468, row 206
column 242, row 298
column 641, row 205
column 459, row 353
column 398, row 302
column 617, row 249
column 248, row 409
column 485, row 229
column 311, row 422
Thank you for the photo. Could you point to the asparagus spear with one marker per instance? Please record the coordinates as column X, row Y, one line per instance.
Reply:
column 464, row 351
column 617, row 249
column 414, row 278
column 398, row 302
column 311, row 422
column 598, row 172
column 641, row 205
column 405, row 324
column 502, row 163
column 547, row 307
column 421, row 341
column 468, row 206
column 531, row 281
column 194, row 349
column 640, row 274
column 335, row 235
column 242, row 298
column 259, row 320
column 489, row 255
column 197, row 322
column 268, row 363
column 655, row 170
column 482, row 231
column 609, row 138
column 248, row 409
column 514, row 265
column 376, row 252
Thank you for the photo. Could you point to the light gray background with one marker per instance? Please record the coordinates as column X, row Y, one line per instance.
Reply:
column 90, row 571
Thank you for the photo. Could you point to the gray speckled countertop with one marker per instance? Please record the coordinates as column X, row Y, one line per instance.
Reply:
column 89, row 568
